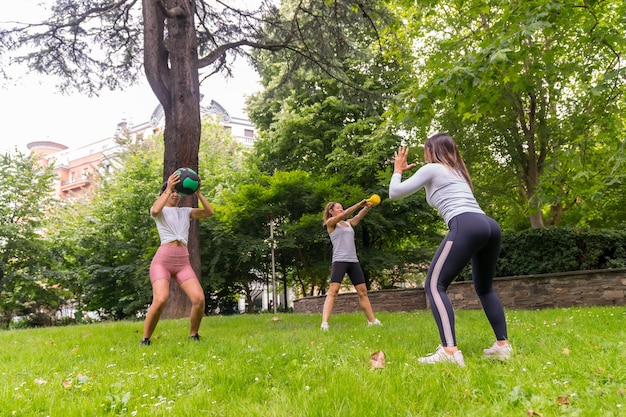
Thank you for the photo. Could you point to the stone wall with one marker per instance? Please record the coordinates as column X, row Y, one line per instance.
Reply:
column 566, row 289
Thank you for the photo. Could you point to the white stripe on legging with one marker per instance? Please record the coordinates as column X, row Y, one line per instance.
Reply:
column 439, row 305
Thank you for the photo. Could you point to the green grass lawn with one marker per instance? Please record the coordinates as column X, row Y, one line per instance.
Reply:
column 567, row 362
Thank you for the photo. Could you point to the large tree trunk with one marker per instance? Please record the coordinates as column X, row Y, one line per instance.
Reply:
column 171, row 67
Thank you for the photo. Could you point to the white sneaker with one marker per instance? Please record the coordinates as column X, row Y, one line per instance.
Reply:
column 500, row 352
column 376, row 322
column 324, row 326
column 440, row 355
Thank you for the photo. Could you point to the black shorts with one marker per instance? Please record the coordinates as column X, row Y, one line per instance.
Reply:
column 353, row 269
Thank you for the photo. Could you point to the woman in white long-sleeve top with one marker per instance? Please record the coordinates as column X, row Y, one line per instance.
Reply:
column 472, row 237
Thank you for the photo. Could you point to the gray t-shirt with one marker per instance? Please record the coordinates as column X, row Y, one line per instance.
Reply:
column 342, row 238
column 446, row 190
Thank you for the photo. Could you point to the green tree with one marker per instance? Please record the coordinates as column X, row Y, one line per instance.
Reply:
column 334, row 128
column 90, row 45
column 532, row 91
column 314, row 120
column 119, row 234
column 66, row 226
column 294, row 202
column 106, row 242
column 26, row 278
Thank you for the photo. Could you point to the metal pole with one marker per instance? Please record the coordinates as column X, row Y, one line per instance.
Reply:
column 273, row 266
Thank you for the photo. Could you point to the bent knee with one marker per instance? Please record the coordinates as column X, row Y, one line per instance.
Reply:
column 159, row 301
column 197, row 300
column 361, row 290
column 332, row 291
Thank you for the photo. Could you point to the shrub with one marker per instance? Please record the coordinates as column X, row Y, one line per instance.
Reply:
column 553, row 249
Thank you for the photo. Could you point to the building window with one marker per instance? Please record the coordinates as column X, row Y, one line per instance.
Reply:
column 248, row 133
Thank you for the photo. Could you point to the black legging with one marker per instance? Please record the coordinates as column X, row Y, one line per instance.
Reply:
column 472, row 237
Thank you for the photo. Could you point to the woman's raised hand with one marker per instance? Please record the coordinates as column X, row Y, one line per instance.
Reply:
column 400, row 164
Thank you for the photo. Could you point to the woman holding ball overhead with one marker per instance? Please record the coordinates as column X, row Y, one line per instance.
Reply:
column 472, row 237
column 172, row 257
column 344, row 259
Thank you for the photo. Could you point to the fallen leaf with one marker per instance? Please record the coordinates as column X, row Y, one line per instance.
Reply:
column 275, row 319
column 565, row 351
column 67, row 383
column 562, row 400
column 377, row 360
column 532, row 413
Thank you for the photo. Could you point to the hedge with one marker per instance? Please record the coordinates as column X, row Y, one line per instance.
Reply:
column 554, row 249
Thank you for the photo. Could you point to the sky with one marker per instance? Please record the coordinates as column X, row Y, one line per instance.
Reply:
column 32, row 109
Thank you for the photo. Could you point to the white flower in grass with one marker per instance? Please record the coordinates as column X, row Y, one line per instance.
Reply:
column 40, row 381
column 307, row 388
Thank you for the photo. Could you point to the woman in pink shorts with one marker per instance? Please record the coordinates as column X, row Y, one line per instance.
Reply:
column 172, row 257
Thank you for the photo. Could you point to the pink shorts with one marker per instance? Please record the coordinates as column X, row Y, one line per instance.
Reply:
column 171, row 261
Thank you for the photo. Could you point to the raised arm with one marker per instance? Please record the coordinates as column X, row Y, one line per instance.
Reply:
column 160, row 202
column 399, row 189
column 356, row 219
column 400, row 164
column 332, row 221
column 205, row 211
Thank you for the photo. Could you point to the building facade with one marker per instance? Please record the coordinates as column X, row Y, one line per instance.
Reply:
column 76, row 167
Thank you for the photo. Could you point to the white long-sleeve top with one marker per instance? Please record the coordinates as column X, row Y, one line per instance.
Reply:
column 446, row 190
column 173, row 224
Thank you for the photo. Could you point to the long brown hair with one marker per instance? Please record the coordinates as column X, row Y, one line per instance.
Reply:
column 327, row 210
column 442, row 149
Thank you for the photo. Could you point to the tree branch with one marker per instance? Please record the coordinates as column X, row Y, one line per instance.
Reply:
column 172, row 13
